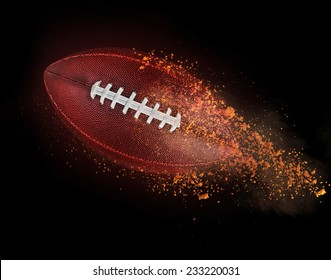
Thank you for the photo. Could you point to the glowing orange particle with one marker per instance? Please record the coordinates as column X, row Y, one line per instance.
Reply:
column 203, row 196
column 320, row 192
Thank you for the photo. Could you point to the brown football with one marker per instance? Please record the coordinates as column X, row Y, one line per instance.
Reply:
column 130, row 111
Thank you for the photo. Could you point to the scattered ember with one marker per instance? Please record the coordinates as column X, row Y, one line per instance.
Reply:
column 254, row 162
column 203, row 196
column 320, row 192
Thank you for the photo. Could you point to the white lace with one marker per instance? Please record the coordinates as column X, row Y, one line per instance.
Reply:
column 140, row 108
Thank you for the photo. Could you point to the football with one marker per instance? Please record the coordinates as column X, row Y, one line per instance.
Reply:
column 137, row 113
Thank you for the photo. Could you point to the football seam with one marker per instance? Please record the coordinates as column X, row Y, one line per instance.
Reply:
column 69, row 79
column 114, row 55
column 110, row 148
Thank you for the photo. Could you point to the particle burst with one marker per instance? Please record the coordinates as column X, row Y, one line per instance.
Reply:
column 246, row 159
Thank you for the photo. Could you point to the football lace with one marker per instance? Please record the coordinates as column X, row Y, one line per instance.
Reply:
column 130, row 103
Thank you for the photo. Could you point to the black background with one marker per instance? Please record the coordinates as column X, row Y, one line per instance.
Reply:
column 50, row 212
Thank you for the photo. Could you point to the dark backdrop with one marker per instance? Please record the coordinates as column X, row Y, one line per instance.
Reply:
column 50, row 211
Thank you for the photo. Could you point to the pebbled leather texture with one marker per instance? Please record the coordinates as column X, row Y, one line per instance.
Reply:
column 129, row 141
